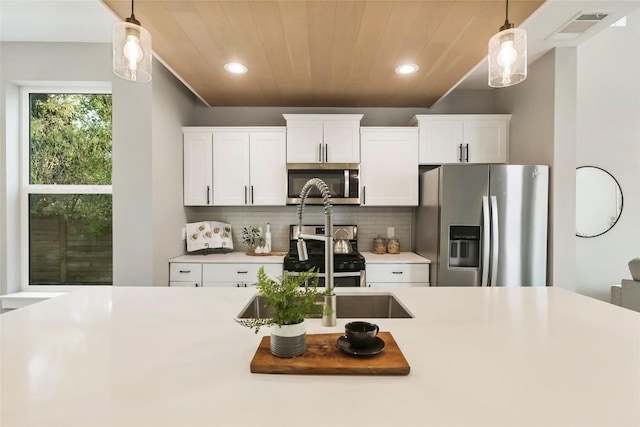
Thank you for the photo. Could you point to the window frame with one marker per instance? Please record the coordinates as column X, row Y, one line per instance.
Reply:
column 26, row 189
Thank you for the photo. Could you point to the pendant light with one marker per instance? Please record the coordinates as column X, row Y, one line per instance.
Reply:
column 507, row 55
column 131, row 50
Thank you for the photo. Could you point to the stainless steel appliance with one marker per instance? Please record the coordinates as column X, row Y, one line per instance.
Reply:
column 343, row 180
column 484, row 225
column 349, row 268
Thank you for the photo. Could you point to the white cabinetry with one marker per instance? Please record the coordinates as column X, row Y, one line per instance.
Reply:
column 231, row 274
column 185, row 274
column 198, row 168
column 397, row 274
column 249, row 167
column 389, row 166
column 236, row 275
column 397, row 270
column 234, row 166
column 323, row 138
column 463, row 138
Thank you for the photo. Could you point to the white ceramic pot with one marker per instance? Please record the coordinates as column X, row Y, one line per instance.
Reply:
column 634, row 268
column 288, row 340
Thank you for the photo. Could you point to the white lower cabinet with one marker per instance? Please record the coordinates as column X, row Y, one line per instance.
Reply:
column 185, row 274
column 236, row 275
column 401, row 274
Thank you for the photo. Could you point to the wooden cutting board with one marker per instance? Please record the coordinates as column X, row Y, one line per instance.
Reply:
column 324, row 358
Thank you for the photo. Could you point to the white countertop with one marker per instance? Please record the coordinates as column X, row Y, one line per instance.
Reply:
column 401, row 258
column 132, row 356
column 231, row 257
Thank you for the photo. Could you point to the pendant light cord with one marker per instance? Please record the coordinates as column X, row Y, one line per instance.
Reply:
column 506, row 14
column 134, row 17
column 507, row 25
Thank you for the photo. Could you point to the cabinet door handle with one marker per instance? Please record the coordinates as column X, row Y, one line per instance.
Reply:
column 326, row 153
column 242, row 272
column 185, row 271
column 197, row 285
column 467, row 153
column 397, row 272
column 245, row 194
column 252, row 194
column 364, row 194
column 208, row 191
column 460, row 153
column 320, row 153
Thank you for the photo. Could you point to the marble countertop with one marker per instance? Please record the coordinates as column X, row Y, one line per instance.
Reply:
column 134, row 356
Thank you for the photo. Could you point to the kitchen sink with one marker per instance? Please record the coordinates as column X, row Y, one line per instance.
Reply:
column 348, row 306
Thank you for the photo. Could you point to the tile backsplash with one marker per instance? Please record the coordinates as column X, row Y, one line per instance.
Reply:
column 371, row 221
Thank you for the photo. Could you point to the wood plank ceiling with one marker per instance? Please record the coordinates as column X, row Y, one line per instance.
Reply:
column 322, row 53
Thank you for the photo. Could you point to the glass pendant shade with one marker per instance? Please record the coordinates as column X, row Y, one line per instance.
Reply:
column 508, row 57
column 131, row 52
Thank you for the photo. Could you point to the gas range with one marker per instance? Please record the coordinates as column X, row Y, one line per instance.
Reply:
column 348, row 268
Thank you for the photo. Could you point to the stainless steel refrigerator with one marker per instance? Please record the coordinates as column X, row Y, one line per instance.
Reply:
column 484, row 225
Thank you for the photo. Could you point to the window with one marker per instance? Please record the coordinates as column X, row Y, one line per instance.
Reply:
column 66, row 200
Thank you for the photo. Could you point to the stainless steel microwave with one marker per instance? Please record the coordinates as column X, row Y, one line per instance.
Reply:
column 343, row 180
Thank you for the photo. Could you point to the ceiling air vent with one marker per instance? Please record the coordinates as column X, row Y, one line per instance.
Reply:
column 578, row 25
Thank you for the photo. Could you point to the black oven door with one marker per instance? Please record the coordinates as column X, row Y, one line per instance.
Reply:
column 345, row 280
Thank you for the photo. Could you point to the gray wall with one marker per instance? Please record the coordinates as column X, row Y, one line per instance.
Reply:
column 147, row 152
column 460, row 102
column 543, row 131
column 531, row 133
column 609, row 137
column 147, row 176
column 33, row 64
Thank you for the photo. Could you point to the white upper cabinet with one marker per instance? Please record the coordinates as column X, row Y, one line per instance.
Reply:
column 389, row 167
column 323, row 138
column 268, row 171
column 242, row 166
column 198, row 168
column 231, row 178
column 463, row 138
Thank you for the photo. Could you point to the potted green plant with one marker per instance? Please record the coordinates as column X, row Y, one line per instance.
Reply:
column 252, row 237
column 292, row 299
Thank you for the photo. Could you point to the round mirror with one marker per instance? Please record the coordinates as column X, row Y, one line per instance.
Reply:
column 598, row 201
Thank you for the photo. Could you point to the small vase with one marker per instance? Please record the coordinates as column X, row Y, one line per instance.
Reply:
column 288, row 340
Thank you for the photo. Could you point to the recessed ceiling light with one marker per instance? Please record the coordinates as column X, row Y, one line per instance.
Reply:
column 406, row 69
column 235, row 68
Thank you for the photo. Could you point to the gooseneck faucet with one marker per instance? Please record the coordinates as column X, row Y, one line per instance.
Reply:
column 329, row 311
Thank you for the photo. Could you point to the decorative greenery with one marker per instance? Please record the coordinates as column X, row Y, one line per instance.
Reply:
column 70, row 143
column 293, row 298
column 252, row 236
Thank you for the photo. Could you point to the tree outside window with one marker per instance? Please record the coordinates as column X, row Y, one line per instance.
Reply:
column 69, row 191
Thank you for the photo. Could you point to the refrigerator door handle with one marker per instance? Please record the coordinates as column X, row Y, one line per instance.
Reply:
column 486, row 227
column 494, row 240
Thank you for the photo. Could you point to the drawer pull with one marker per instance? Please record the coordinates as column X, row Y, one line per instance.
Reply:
column 243, row 272
column 397, row 272
column 185, row 271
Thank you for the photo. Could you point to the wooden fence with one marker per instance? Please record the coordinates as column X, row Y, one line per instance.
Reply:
column 65, row 252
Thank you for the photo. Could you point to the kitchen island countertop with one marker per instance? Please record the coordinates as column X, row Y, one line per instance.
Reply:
column 134, row 356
